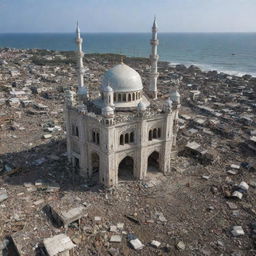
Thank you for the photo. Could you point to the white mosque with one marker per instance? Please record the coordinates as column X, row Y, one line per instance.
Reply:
column 121, row 134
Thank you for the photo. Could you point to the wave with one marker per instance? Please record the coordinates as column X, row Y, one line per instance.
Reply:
column 208, row 67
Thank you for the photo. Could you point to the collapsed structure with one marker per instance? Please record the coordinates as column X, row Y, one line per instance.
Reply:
column 126, row 131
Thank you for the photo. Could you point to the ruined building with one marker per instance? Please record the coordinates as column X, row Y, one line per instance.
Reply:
column 126, row 131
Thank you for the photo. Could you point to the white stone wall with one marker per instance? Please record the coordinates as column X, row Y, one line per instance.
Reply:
column 109, row 150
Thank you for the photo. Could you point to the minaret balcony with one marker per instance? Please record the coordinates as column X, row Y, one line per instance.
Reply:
column 80, row 72
column 80, row 54
column 79, row 40
column 154, row 57
column 154, row 42
column 154, row 74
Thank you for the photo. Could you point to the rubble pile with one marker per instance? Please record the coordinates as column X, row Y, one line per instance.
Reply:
column 207, row 206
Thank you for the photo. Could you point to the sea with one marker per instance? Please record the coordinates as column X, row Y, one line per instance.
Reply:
column 232, row 53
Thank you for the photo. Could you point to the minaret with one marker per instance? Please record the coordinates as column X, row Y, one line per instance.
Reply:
column 154, row 59
column 82, row 90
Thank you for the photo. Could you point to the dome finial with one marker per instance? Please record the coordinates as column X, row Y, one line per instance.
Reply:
column 155, row 23
column 77, row 28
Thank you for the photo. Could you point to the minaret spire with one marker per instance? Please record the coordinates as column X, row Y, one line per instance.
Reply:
column 154, row 60
column 82, row 90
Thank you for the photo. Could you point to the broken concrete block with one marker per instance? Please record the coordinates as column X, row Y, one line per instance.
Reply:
column 38, row 202
column 232, row 206
column 237, row 194
column 47, row 136
column 235, row 166
column 14, row 102
column 161, row 217
column 64, row 217
column 235, row 213
column 120, row 226
column 181, row 245
column 237, row 231
column 3, row 195
column 116, row 239
column 58, row 245
column 243, row 185
column 136, row 244
column 155, row 243
column 72, row 215
column 113, row 229
column 97, row 218
column 232, row 172
column 40, row 106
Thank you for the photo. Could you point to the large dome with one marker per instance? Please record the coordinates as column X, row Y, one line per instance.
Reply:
column 122, row 78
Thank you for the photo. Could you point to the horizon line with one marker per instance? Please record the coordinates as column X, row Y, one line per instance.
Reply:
column 203, row 32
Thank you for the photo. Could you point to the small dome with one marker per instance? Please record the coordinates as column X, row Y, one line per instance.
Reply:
column 107, row 88
column 168, row 102
column 141, row 106
column 122, row 78
column 107, row 111
column 175, row 96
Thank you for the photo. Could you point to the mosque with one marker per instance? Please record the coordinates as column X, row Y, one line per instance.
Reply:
column 127, row 131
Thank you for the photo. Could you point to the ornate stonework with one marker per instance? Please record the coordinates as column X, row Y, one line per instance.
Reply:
column 123, row 133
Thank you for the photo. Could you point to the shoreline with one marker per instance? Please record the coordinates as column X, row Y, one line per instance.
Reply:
column 208, row 67
column 203, row 67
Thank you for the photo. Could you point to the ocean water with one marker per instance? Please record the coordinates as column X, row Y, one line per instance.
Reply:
column 233, row 53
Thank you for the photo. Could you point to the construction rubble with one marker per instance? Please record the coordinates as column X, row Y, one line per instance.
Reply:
column 206, row 206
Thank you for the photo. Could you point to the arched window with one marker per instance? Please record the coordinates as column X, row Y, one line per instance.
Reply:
column 126, row 138
column 93, row 137
column 77, row 132
column 159, row 132
column 129, row 97
column 124, row 97
column 150, row 135
column 132, row 137
column 119, row 97
column 133, row 96
column 155, row 133
column 121, row 139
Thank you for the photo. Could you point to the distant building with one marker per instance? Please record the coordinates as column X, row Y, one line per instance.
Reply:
column 125, row 132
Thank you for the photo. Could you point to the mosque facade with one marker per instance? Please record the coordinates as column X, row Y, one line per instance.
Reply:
column 127, row 131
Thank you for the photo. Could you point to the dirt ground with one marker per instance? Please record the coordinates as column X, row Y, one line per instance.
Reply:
column 191, row 205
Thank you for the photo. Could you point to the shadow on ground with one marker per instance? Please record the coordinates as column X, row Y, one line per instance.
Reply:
column 47, row 163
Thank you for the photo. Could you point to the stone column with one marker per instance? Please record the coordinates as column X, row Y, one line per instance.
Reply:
column 108, row 170
column 167, row 145
column 68, row 131
column 83, row 147
column 141, row 139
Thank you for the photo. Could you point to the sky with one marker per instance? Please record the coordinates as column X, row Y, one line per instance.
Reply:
column 127, row 15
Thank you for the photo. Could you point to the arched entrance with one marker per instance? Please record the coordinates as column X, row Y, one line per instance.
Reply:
column 153, row 162
column 95, row 163
column 125, row 169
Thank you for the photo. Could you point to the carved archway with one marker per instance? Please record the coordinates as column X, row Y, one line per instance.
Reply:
column 95, row 162
column 153, row 162
column 126, row 169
